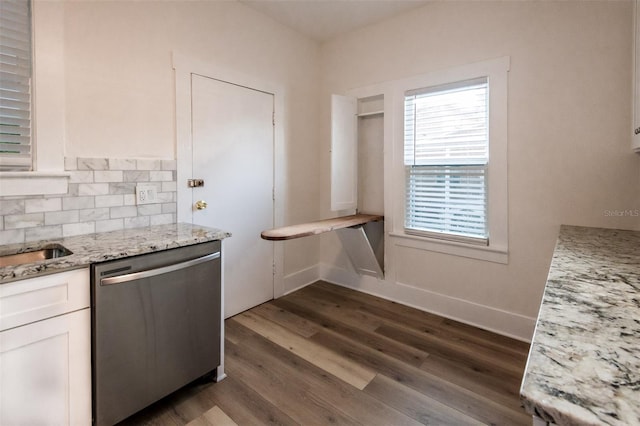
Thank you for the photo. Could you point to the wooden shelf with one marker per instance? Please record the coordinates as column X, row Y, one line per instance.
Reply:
column 319, row 227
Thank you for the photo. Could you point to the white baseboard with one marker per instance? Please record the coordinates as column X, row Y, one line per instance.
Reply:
column 302, row 278
column 506, row 323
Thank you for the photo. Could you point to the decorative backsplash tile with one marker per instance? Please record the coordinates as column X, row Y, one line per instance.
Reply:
column 101, row 198
column 92, row 163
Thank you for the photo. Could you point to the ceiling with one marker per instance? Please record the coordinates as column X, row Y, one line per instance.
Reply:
column 322, row 20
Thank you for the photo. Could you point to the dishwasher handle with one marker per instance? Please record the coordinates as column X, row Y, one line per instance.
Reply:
column 157, row 271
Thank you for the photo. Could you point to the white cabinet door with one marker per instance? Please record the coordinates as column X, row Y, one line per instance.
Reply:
column 45, row 372
column 344, row 153
column 636, row 79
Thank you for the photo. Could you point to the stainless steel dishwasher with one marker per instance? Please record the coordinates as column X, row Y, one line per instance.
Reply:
column 155, row 327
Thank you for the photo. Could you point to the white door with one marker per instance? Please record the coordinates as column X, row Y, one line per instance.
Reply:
column 233, row 137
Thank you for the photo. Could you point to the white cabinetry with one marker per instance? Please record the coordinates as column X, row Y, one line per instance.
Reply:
column 344, row 153
column 45, row 350
column 636, row 78
column 357, row 162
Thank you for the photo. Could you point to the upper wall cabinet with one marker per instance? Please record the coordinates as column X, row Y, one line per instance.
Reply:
column 636, row 79
column 344, row 153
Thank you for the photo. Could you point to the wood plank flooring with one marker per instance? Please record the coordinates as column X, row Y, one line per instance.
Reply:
column 327, row 355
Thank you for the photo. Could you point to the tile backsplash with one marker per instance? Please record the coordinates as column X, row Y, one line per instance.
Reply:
column 101, row 198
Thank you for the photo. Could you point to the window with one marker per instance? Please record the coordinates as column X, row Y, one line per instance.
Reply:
column 15, row 85
column 446, row 153
column 450, row 161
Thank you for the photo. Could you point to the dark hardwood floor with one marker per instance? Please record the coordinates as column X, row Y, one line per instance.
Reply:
column 329, row 355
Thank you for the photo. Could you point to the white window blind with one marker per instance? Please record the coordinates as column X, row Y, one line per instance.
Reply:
column 446, row 154
column 15, row 85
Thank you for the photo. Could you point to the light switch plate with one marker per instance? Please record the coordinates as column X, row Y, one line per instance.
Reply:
column 146, row 194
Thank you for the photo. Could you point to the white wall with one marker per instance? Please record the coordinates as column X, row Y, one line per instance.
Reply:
column 118, row 86
column 569, row 140
column 569, row 119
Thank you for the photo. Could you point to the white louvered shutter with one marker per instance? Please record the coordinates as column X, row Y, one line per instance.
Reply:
column 446, row 153
column 15, row 85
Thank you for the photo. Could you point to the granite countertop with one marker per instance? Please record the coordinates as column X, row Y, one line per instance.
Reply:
column 584, row 362
column 99, row 247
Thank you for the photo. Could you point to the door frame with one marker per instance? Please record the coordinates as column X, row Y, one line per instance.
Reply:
column 184, row 67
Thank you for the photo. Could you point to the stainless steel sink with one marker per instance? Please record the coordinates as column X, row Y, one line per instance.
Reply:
column 50, row 251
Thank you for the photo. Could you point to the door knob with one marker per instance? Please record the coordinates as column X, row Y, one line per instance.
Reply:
column 201, row 205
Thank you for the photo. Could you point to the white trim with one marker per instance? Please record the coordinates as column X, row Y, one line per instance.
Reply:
column 220, row 374
column 385, row 90
column 635, row 72
column 490, row 254
column 184, row 67
column 394, row 179
column 499, row 321
column 299, row 279
column 33, row 183
column 48, row 113
column 497, row 72
column 48, row 85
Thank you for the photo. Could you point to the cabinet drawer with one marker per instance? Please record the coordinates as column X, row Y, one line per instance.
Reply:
column 34, row 299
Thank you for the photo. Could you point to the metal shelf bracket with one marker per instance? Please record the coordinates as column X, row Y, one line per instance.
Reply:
column 364, row 245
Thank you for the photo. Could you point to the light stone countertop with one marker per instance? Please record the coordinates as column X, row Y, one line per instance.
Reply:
column 99, row 247
column 584, row 361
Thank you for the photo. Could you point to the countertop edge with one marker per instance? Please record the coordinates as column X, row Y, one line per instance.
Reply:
column 101, row 247
column 581, row 367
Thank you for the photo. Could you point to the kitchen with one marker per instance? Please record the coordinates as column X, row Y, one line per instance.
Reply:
column 105, row 85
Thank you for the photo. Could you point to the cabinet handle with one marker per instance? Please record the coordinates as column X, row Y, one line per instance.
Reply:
column 637, row 131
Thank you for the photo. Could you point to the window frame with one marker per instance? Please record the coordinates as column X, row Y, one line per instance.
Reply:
column 19, row 42
column 48, row 176
column 496, row 71
column 443, row 174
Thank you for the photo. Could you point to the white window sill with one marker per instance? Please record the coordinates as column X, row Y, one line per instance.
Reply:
column 490, row 254
column 33, row 183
